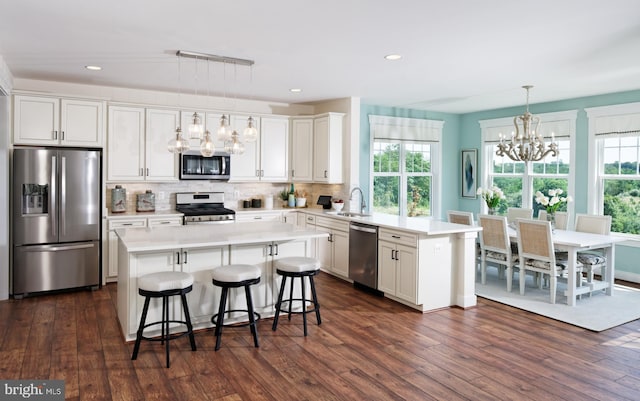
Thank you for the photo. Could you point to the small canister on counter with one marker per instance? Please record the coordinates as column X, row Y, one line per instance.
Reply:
column 146, row 202
column 118, row 199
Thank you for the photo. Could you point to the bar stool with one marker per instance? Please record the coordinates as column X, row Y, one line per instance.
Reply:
column 293, row 267
column 164, row 285
column 235, row 276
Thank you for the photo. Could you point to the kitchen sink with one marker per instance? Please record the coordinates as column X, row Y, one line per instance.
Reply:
column 353, row 214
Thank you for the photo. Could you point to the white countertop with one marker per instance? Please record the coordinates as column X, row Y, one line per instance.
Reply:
column 418, row 225
column 210, row 235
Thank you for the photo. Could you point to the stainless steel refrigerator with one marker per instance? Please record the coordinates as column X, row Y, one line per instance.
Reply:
column 56, row 205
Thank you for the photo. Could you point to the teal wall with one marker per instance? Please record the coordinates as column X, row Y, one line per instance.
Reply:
column 450, row 146
column 462, row 131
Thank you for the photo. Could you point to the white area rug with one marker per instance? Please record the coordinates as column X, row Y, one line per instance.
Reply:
column 598, row 313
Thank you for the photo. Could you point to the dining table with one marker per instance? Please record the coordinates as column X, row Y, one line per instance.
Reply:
column 573, row 242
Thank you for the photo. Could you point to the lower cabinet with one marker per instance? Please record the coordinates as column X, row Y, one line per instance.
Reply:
column 397, row 270
column 333, row 251
column 111, row 251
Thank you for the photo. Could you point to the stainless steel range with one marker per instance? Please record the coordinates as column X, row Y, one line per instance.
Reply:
column 204, row 208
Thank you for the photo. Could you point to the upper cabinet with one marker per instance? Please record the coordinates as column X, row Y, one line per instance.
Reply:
column 266, row 159
column 327, row 148
column 137, row 144
column 301, row 149
column 41, row 120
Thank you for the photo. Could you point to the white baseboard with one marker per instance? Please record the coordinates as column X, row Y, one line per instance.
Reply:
column 628, row 276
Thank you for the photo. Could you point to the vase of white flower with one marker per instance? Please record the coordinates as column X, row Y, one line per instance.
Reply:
column 552, row 203
column 492, row 197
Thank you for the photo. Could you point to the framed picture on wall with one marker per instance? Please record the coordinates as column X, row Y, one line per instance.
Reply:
column 469, row 173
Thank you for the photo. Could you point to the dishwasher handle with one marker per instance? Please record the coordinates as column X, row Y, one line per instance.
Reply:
column 366, row 229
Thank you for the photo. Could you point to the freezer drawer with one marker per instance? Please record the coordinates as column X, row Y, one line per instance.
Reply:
column 55, row 267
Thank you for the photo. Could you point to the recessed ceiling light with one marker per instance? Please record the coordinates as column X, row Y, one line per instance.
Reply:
column 93, row 67
column 393, row 57
column 295, row 90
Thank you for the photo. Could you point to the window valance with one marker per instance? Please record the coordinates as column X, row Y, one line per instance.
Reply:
column 405, row 129
column 618, row 120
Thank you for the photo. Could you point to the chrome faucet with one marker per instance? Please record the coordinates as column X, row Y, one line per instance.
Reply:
column 363, row 204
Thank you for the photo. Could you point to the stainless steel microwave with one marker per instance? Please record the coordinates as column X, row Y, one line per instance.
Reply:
column 194, row 166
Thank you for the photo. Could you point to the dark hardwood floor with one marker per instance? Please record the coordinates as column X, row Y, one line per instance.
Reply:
column 367, row 348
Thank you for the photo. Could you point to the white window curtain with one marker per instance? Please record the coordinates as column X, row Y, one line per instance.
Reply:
column 405, row 129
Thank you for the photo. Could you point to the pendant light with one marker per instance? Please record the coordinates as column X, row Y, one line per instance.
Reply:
column 178, row 144
column 196, row 128
column 250, row 133
column 207, row 147
column 233, row 145
column 224, row 131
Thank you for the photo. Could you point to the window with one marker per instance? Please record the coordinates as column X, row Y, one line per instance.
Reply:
column 520, row 181
column 404, row 165
column 614, row 133
column 402, row 178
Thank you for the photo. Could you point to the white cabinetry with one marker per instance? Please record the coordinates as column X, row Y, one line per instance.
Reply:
column 302, row 149
column 137, row 144
column 40, row 120
column 258, row 216
column 265, row 295
column 266, row 159
column 333, row 252
column 133, row 222
column 397, row 265
column 327, row 148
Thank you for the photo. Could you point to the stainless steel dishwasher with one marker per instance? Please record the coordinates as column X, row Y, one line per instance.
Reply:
column 363, row 254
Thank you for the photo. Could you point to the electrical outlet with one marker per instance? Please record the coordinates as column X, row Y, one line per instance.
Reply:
column 161, row 195
column 236, row 195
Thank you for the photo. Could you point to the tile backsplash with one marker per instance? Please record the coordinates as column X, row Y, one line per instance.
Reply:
column 234, row 193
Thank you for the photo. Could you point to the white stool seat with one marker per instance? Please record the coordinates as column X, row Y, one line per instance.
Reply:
column 236, row 273
column 163, row 281
column 297, row 264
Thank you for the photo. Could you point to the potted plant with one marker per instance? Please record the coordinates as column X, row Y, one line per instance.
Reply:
column 284, row 195
column 301, row 198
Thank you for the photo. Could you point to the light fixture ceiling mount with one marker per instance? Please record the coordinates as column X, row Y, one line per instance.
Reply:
column 526, row 144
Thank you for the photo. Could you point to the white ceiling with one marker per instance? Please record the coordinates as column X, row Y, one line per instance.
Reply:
column 458, row 55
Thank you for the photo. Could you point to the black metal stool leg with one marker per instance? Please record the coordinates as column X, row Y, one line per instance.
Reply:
column 187, row 318
column 220, row 322
column 143, row 319
column 304, row 306
column 165, row 308
column 252, row 318
column 291, row 296
column 279, row 303
column 316, row 304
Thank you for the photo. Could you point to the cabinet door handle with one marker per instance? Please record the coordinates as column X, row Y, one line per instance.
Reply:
column 147, row 171
column 392, row 257
column 185, row 257
column 276, row 245
column 257, row 173
column 257, row 218
column 270, row 253
column 178, row 257
column 127, row 224
column 395, row 236
column 165, row 222
column 330, row 237
column 325, row 173
column 141, row 172
column 293, row 173
column 62, row 135
column 55, row 134
column 397, row 255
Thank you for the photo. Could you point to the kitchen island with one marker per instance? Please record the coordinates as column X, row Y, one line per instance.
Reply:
column 198, row 249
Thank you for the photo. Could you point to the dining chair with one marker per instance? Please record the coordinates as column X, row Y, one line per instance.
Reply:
column 514, row 213
column 495, row 247
column 593, row 259
column 562, row 219
column 458, row 217
column 537, row 254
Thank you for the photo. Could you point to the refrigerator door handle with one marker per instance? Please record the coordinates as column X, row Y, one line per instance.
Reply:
column 54, row 248
column 52, row 199
column 63, row 195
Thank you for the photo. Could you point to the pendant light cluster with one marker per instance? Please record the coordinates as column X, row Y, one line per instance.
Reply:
column 225, row 133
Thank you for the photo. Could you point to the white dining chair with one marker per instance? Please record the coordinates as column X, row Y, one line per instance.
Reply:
column 514, row 213
column 562, row 219
column 495, row 247
column 595, row 259
column 536, row 254
column 459, row 217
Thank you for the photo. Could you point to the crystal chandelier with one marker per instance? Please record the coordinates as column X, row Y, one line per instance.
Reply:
column 526, row 143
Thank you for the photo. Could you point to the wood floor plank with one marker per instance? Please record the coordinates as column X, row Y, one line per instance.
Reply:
column 367, row 347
